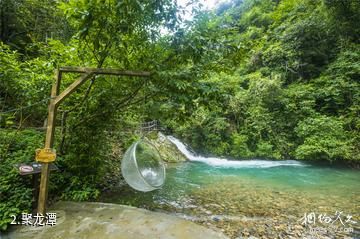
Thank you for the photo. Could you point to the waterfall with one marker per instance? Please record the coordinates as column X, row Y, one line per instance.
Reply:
column 222, row 162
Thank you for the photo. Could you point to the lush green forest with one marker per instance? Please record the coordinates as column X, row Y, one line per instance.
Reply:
column 267, row 79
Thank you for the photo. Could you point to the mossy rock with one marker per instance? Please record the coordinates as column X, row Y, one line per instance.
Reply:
column 168, row 151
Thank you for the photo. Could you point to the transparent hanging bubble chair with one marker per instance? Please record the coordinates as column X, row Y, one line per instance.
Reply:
column 142, row 166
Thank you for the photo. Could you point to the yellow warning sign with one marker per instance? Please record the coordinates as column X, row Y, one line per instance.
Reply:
column 45, row 155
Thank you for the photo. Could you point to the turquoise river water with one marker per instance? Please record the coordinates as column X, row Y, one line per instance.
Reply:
column 258, row 198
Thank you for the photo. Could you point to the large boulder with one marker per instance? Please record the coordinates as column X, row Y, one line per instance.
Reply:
column 168, row 151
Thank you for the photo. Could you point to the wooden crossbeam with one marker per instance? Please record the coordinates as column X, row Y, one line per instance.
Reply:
column 72, row 87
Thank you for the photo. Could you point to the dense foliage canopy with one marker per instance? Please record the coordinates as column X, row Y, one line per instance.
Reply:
column 255, row 78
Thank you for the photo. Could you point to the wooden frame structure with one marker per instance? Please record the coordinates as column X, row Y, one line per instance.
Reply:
column 47, row 155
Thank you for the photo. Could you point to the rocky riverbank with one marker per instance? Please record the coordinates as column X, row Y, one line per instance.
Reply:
column 245, row 210
column 241, row 212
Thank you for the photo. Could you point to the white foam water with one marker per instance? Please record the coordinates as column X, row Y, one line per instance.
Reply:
column 225, row 163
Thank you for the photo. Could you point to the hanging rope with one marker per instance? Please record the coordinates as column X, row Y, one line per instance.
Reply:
column 143, row 111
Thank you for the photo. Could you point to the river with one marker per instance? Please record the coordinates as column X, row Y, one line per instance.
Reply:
column 258, row 198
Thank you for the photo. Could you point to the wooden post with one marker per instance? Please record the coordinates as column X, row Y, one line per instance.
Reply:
column 49, row 140
column 35, row 183
column 56, row 99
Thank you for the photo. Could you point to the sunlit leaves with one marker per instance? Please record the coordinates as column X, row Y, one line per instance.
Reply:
column 118, row 28
column 322, row 138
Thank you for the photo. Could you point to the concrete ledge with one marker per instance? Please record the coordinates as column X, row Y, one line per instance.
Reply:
column 112, row 221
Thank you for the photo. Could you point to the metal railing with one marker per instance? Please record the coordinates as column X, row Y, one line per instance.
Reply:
column 154, row 125
column 150, row 126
